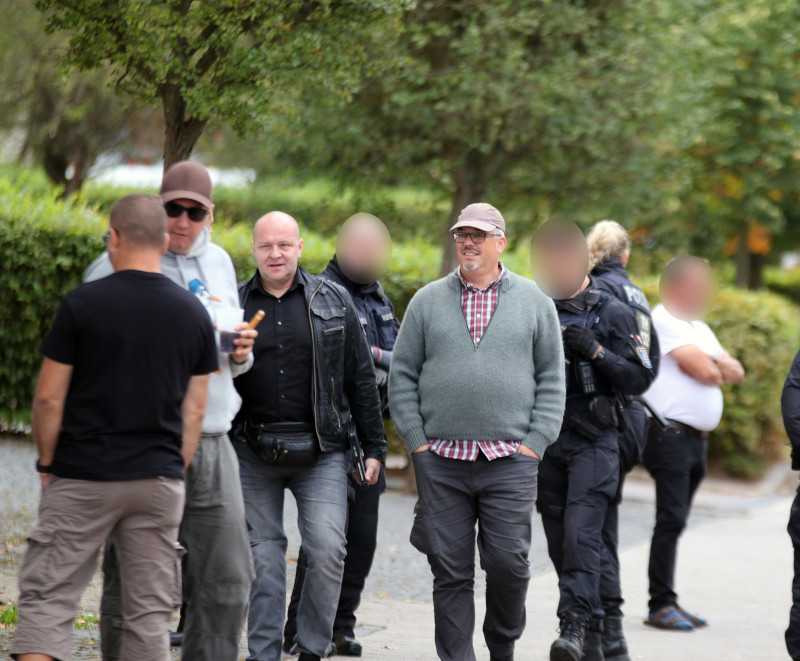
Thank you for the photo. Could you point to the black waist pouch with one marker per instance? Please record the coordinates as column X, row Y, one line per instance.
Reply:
column 280, row 446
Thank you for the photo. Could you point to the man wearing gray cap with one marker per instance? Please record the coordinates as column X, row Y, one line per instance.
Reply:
column 477, row 393
column 218, row 567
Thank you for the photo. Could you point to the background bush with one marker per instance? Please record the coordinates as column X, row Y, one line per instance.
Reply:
column 45, row 244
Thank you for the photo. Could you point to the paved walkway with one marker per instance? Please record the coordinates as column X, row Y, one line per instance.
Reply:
column 736, row 572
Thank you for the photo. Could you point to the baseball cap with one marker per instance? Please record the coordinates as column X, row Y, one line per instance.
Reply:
column 482, row 216
column 187, row 180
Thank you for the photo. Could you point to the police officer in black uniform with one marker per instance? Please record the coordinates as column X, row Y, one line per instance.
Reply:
column 609, row 251
column 361, row 254
column 790, row 407
column 579, row 474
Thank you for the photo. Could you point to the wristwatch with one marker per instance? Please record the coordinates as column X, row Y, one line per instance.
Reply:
column 43, row 469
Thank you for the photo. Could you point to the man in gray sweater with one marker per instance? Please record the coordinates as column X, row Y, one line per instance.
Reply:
column 477, row 393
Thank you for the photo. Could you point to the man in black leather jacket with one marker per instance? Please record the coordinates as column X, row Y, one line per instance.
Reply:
column 362, row 251
column 310, row 393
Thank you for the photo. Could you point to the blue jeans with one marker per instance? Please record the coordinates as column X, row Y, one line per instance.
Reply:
column 321, row 494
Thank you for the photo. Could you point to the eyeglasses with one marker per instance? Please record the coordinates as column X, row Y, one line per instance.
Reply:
column 195, row 214
column 477, row 236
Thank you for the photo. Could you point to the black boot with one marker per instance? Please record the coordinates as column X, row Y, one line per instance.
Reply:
column 614, row 646
column 593, row 643
column 346, row 646
column 569, row 645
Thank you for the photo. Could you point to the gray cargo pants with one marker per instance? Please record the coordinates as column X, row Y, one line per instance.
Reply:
column 218, row 571
column 76, row 517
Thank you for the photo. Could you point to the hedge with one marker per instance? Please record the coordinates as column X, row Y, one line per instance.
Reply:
column 45, row 244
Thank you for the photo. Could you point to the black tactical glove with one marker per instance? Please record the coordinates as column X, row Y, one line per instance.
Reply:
column 580, row 342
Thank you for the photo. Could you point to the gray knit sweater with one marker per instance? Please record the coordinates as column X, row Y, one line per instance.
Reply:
column 510, row 387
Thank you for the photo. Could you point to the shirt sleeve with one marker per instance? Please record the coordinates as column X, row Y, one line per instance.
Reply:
column 207, row 360
column 61, row 343
column 672, row 333
column 715, row 349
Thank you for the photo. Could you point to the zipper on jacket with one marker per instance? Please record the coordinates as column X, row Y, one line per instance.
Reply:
column 333, row 405
column 314, row 396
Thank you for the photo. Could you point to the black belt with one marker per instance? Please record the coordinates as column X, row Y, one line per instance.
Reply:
column 251, row 424
column 687, row 429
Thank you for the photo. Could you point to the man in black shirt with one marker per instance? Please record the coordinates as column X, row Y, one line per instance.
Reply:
column 310, row 391
column 362, row 251
column 116, row 418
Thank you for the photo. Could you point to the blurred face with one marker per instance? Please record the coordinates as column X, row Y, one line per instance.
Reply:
column 560, row 268
column 363, row 251
column 690, row 296
column 477, row 251
column 277, row 247
column 182, row 230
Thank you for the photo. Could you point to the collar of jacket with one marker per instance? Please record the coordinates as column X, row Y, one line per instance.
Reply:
column 454, row 279
column 310, row 283
column 334, row 271
column 610, row 265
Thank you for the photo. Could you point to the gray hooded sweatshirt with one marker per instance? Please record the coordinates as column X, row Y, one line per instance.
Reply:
column 209, row 263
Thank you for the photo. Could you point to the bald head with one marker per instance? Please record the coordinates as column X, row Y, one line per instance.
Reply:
column 277, row 247
column 363, row 248
column 140, row 221
column 276, row 221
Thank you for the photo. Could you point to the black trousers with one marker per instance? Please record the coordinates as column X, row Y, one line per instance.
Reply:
column 454, row 496
column 362, row 538
column 793, row 632
column 632, row 443
column 677, row 460
column 578, row 480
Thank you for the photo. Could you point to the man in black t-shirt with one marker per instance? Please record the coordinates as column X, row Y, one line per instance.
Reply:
column 117, row 415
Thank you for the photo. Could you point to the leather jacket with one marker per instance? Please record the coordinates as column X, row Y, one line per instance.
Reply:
column 343, row 389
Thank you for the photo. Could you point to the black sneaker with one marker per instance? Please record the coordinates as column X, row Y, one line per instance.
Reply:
column 615, row 648
column 308, row 656
column 346, row 646
column 569, row 645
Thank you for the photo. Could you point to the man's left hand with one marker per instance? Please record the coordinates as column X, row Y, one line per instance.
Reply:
column 581, row 342
column 244, row 343
column 373, row 472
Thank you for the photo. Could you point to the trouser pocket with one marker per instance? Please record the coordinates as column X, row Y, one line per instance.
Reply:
column 176, row 594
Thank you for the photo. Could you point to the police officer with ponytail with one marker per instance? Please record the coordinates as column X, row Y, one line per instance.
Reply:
column 609, row 252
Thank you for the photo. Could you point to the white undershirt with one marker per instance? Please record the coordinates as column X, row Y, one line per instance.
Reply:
column 675, row 394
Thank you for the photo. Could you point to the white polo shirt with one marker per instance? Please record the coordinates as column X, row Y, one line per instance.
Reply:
column 675, row 394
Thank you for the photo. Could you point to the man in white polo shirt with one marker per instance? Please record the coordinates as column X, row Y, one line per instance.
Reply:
column 687, row 394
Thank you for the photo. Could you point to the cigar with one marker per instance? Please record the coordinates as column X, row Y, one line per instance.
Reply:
column 258, row 317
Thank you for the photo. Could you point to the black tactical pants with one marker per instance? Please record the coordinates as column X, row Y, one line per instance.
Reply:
column 578, row 480
column 632, row 443
column 793, row 632
column 362, row 538
column 676, row 458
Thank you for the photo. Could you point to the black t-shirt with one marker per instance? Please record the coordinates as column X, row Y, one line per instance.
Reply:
column 134, row 340
column 278, row 386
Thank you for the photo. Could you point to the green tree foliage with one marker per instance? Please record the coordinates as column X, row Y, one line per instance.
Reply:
column 513, row 99
column 65, row 121
column 237, row 61
column 745, row 61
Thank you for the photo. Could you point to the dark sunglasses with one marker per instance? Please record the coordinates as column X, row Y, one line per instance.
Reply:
column 196, row 214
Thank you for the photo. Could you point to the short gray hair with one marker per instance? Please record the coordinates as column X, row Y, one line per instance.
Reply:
column 607, row 240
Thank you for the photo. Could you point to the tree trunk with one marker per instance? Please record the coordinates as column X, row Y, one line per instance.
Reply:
column 181, row 132
column 749, row 265
column 470, row 186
